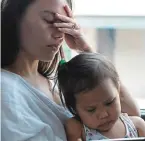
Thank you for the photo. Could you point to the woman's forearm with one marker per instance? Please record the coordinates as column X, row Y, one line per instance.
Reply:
column 128, row 103
column 86, row 48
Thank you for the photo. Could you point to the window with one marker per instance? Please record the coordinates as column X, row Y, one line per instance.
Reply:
column 120, row 35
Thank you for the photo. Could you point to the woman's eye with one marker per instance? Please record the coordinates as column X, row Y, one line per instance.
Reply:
column 47, row 16
column 91, row 110
column 48, row 21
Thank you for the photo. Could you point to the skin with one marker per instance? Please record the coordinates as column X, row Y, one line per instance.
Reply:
column 40, row 29
column 74, row 129
column 44, row 26
column 139, row 124
column 37, row 32
column 100, row 109
column 99, row 106
column 41, row 35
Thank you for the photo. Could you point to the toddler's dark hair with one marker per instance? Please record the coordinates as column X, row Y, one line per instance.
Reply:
column 83, row 73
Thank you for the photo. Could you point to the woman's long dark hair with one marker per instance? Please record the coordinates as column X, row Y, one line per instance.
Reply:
column 12, row 12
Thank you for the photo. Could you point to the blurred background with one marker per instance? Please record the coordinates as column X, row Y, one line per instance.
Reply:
column 116, row 28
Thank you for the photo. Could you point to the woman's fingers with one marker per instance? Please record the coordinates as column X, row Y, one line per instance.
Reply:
column 64, row 18
column 60, row 25
column 68, row 31
column 66, row 25
column 68, row 11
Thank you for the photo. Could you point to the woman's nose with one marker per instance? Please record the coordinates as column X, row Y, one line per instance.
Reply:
column 57, row 34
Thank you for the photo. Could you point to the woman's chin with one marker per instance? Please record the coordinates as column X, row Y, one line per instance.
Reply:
column 48, row 58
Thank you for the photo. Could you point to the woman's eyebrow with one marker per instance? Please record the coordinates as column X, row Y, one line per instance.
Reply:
column 49, row 12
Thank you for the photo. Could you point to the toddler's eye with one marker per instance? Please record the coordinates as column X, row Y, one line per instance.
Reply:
column 111, row 102
column 91, row 110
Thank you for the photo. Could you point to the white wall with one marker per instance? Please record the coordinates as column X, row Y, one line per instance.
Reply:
column 130, row 60
column 109, row 7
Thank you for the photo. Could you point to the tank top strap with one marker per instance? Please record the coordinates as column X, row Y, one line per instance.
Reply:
column 92, row 134
column 131, row 130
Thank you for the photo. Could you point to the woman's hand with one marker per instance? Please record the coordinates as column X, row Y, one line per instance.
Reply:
column 73, row 34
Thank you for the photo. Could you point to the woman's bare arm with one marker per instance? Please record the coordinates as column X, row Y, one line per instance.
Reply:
column 128, row 103
column 140, row 125
column 73, row 130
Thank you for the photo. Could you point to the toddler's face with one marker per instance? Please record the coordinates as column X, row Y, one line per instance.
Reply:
column 99, row 108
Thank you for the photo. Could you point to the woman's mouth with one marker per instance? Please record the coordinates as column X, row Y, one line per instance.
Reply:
column 56, row 45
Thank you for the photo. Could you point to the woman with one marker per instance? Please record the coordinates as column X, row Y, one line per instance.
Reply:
column 32, row 34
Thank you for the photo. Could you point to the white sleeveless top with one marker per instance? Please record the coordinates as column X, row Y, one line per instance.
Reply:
column 131, row 131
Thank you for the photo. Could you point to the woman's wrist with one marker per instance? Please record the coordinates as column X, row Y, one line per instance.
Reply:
column 86, row 48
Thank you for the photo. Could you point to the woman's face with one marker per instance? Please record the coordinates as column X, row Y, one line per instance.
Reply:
column 38, row 38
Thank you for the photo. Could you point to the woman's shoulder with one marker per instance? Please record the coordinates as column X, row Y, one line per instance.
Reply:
column 11, row 85
column 8, row 77
column 16, row 91
column 9, row 81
